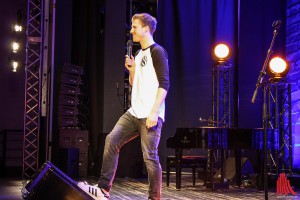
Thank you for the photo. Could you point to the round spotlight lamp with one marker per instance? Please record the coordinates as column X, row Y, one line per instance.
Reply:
column 17, row 28
column 278, row 68
column 15, row 46
column 14, row 66
column 221, row 53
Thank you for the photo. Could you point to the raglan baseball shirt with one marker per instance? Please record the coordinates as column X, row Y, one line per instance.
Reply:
column 151, row 73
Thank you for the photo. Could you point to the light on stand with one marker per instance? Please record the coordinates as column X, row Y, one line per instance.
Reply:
column 277, row 69
column 221, row 84
column 221, row 53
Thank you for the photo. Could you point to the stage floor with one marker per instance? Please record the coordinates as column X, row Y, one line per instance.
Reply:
column 136, row 189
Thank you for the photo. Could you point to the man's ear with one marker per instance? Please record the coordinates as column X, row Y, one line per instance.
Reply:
column 147, row 28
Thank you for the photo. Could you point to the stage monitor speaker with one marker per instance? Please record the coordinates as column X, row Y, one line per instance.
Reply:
column 51, row 183
column 246, row 169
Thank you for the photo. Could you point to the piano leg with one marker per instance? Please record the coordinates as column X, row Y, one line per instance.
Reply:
column 238, row 166
column 178, row 157
column 211, row 165
column 223, row 165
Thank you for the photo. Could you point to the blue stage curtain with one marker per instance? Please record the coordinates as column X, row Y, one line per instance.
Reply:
column 189, row 30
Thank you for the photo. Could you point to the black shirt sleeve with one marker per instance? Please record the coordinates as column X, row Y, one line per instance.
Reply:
column 160, row 62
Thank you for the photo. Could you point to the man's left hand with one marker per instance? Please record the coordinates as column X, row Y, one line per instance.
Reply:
column 151, row 120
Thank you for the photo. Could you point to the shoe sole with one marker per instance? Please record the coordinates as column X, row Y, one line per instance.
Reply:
column 93, row 191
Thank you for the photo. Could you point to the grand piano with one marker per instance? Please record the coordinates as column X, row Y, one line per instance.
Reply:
column 219, row 138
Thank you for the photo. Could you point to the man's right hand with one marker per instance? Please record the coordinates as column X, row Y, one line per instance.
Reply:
column 129, row 63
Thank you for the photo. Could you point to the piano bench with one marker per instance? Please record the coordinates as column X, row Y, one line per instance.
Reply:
column 193, row 162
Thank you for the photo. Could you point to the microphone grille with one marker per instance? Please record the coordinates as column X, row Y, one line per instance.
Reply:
column 129, row 42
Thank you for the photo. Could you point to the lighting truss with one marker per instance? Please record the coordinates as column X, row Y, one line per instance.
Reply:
column 221, row 107
column 279, row 117
column 221, row 96
column 285, row 121
column 32, row 88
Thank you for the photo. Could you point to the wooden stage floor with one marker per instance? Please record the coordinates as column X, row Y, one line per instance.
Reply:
column 136, row 189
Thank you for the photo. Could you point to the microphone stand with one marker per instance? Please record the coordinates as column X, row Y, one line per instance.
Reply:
column 260, row 83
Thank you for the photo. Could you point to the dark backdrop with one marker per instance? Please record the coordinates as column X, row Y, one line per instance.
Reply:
column 188, row 30
column 11, row 84
column 256, row 33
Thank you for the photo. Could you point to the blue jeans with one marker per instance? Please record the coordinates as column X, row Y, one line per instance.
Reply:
column 127, row 128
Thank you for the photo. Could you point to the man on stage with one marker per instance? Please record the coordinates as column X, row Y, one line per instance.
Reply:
column 149, row 78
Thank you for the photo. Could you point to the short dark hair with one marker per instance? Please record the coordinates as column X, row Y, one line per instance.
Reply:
column 146, row 20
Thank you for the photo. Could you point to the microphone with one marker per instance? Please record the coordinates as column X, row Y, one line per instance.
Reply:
column 276, row 24
column 129, row 50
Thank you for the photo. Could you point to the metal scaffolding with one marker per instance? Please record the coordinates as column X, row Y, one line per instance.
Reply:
column 279, row 117
column 221, row 111
column 32, row 87
column 221, row 95
column 285, row 127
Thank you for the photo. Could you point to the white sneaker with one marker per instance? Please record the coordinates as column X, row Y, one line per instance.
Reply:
column 93, row 191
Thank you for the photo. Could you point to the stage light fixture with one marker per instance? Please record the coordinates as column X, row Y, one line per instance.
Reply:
column 277, row 68
column 15, row 46
column 221, row 53
column 15, row 56
column 17, row 28
column 14, row 65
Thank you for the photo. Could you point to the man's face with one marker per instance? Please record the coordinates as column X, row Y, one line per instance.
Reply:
column 137, row 30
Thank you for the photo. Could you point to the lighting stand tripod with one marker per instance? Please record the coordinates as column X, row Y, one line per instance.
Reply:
column 262, row 83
